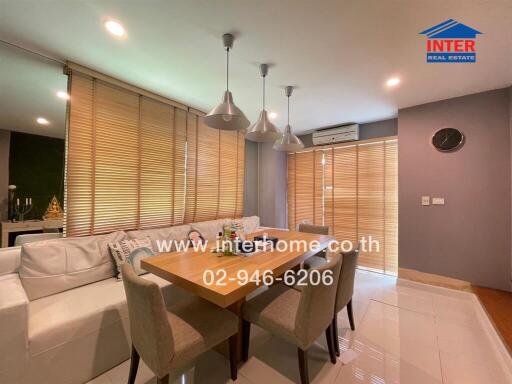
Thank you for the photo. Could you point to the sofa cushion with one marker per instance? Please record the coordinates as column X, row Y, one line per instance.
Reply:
column 61, row 318
column 9, row 260
column 157, row 235
column 52, row 266
column 122, row 250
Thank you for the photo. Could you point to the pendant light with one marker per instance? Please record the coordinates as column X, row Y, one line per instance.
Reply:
column 226, row 115
column 288, row 142
column 263, row 130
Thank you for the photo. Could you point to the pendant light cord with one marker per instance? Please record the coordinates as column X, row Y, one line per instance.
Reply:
column 227, row 69
column 288, row 110
column 263, row 92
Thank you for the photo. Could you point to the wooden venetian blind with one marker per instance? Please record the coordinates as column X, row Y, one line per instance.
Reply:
column 353, row 189
column 215, row 172
column 134, row 161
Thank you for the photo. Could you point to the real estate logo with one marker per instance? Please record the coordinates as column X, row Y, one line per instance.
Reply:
column 451, row 42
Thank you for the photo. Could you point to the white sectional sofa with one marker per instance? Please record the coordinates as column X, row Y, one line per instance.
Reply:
column 63, row 315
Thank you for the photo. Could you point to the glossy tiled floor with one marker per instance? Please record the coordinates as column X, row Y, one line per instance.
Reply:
column 405, row 333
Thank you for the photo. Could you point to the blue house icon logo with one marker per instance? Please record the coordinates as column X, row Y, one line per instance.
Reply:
column 451, row 42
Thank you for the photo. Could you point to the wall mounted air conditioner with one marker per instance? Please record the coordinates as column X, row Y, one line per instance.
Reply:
column 336, row 135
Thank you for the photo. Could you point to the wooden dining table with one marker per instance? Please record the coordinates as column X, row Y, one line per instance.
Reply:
column 224, row 283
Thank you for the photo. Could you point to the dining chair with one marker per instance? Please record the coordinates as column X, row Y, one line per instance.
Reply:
column 167, row 335
column 311, row 228
column 298, row 317
column 319, row 258
column 345, row 292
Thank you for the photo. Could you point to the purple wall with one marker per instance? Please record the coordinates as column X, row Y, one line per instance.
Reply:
column 470, row 236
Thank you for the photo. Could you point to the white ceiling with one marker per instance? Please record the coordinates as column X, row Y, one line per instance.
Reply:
column 338, row 53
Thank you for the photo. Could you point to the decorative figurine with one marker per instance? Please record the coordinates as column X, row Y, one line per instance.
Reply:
column 54, row 211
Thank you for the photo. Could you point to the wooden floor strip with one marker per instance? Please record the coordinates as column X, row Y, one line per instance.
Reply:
column 498, row 305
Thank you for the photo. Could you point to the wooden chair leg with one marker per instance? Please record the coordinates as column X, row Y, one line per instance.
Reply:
column 233, row 353
column 351, row 315
column 134, row 365
column 336, row 341
column 163, row 380
column 330, row 343
column 246, row 336
column 303, row 366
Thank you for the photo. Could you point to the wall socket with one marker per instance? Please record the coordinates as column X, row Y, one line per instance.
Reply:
column 425, row 200
column 438, row 201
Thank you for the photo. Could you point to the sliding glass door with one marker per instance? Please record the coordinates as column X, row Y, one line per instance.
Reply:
column 353, row 189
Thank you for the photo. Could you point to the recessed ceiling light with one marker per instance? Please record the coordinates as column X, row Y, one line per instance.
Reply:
column 42, row 121
column 393, row 82
column 63, row 95
column 115, row 28
column 272, row 115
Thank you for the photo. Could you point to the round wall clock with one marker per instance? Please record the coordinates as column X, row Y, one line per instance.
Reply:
column 448, row 139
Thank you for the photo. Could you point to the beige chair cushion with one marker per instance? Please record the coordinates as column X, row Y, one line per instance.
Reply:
column 319, row 259
column 316, row 308
column 158, row 235
column 167, row 335
column 53, row 266
column 275, row 310
column 297, row 316
column 198, row 325
column 347, row 279
column 316, row 229
column 69, row 315
column 315, row 261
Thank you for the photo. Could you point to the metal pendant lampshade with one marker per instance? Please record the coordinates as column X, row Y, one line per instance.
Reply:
column 263, row 130
column 227, row 116
column 288, row 142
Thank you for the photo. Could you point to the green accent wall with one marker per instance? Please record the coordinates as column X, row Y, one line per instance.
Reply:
column 36, row 167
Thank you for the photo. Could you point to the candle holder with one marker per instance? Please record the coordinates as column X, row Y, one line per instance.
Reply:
column 22, row 209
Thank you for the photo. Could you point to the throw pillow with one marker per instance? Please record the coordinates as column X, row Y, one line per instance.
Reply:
column 195, row 238
column 136, row 256
column 121, row 250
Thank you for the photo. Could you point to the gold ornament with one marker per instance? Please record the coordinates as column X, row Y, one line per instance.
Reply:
column 54, row 210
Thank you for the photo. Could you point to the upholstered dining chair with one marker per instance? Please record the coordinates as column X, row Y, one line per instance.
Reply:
column 319, row 258
column 316, row 229
column 169, row 336
column 345, row 292
column 298, row 317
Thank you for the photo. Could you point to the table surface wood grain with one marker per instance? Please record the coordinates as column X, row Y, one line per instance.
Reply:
column 186, row 269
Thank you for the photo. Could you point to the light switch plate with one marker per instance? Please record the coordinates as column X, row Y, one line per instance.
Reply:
column 425, row 200
column 438, row 201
